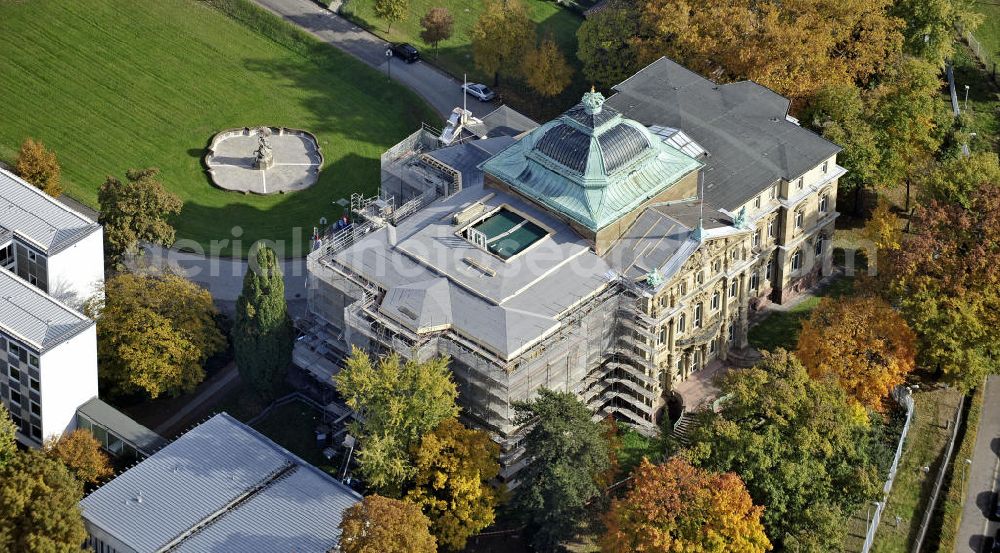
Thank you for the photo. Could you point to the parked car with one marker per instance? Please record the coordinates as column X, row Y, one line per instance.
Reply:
column 406, row 52
column 482, row 92
column 996, row 507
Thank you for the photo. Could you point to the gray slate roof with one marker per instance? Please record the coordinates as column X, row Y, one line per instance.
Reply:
column 147, row 441
column 34, row 317
column 37, row 218
column 243, row 492
column 742, row 125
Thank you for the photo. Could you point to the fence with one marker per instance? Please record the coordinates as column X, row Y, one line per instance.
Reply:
column 902, row 396
column 981, row 53
column 929, row 512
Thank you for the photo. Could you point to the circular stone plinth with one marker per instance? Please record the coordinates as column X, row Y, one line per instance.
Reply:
column 297, row 160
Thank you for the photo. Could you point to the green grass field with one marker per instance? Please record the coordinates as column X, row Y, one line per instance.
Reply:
column 455, row 54
column 110, row 84
column 989, row 31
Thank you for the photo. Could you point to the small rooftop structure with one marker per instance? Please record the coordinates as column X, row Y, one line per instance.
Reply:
column 222, row 487
column 34, row 317
column 37, row 218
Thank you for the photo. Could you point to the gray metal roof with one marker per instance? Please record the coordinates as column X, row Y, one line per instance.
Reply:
column 751, row 144
column 502, row 121
column 224, row 488
column 140, row 437
column 38, row 218
column 34, row 317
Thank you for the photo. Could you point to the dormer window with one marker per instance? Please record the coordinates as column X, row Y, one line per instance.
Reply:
column 756, row 202
column 802, row 181
column 826, row 166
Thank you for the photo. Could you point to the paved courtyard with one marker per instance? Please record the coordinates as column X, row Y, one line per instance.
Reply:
column 700, row 389
column 297, row 162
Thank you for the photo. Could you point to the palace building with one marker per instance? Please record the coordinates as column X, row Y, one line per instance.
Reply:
column 611, row 252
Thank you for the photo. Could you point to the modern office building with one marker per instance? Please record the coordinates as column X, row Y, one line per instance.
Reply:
column 48, row 244
column 221, row 487
column 610, row 252
column 48, row 360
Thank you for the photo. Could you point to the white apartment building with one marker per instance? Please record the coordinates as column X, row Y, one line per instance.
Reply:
column 48, row 244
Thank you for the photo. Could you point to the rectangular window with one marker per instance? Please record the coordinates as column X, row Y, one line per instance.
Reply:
column 799, row 217
column 730, row 331
column 754, row 280
column 801, row 183
column 36, row 409
column 711, row 347
column 756, row 201
column 32, row 256
column 819, row 247
column 680, row 324
column 769, row 271
column 756, row 239
column 770, row 228
column 774, row 191
column 662, row 338
column 15, row 397
column 33, row 384
column 715, row 301
column 826, row 166
column 824, row 203
column 36, row 432
column 14, row 374
column 733, row 289
column 797, row 260
column 697, row 316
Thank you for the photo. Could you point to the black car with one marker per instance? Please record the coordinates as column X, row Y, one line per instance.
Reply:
column 996, row 506
column 996, row 543
column 405, row 51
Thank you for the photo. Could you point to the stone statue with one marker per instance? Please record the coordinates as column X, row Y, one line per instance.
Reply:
column 263, row 157
column 740, row 221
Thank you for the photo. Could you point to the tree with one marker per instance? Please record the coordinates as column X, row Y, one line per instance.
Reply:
column 38, row 506
column 262, row 332
column 154, row 333
column 798, row 444
column 956, row 180
column 946, row 280
column 381, row 525
column 399, row 403
column 453, row 468
column 391, row 11
column 39, row 166
column 862, row 342
column 8, row 436
column 135, row 211
column 905, row 114
column 678, row 507
column 545, row 69
column 795, row 47
column 436, row 26
column 501, row 36
column 603, row 45
column 841, row 115
column 82, row 455
column 882, row 228
column 568, row 454
column 930, row 26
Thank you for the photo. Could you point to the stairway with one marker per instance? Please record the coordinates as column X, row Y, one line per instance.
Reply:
column 682, row 429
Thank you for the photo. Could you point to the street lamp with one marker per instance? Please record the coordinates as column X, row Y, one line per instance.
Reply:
column 965, row 470
column 388, row 65
column 966, row 98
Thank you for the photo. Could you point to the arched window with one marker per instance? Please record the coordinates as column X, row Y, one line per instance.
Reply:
column 797, row 260
column 715, row 301
column 824, row 203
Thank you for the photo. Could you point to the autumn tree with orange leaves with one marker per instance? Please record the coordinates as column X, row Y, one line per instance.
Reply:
column 678, row 507
column 862, row 342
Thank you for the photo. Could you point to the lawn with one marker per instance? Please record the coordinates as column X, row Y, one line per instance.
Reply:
column 781, row 328
column 293, row 426
column 455, row 54
column 983, row 109
column 110, row 85
column 989, row 31
column 924, row 447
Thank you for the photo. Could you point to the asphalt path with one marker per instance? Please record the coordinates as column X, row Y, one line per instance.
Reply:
column 983, row 475
column 441, row 91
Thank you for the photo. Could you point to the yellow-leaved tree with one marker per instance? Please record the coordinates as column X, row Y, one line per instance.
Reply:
column 453, row 468
column 862, row 342
column 678, row 507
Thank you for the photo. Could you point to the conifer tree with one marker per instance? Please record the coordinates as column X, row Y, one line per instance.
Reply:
column 262, row 333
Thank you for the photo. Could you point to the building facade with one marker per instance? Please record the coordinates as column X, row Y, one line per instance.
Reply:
column 51, row 260
column 47, row 244
column 611, row 252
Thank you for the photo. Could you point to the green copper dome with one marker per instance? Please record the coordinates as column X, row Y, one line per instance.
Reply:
column 590, row 164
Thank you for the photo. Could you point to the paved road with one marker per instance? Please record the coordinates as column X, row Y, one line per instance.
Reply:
column 983, row 474
column 441, row 91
